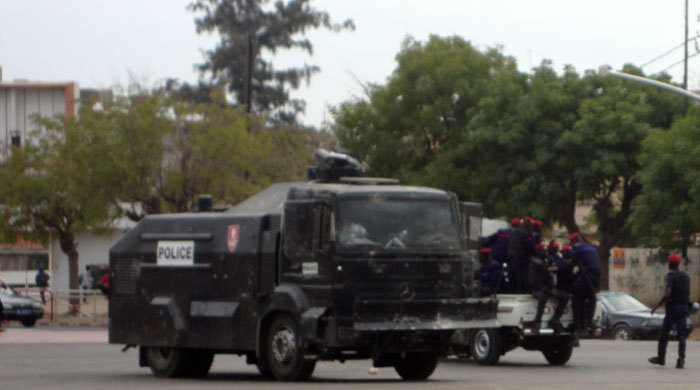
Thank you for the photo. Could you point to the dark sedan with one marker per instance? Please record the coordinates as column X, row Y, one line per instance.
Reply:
column 624, row 317
column 19, row 308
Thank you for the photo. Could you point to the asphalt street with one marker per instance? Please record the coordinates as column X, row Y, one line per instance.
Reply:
column 29, row 359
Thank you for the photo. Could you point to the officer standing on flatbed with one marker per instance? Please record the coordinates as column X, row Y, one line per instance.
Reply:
column 677, row 297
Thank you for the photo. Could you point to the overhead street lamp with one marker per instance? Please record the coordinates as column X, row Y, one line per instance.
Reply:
column 605, row 70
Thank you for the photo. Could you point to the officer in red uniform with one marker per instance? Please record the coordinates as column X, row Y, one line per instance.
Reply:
column 677, row 297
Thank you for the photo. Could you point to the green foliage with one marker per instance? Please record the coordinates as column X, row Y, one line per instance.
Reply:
column 249, row 28
column 667, row 212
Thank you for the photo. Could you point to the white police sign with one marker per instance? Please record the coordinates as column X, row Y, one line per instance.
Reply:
column 177, row 253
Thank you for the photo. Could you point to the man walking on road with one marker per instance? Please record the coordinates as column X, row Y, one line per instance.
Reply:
column 677, row 297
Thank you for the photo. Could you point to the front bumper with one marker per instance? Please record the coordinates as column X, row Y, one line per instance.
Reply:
column 442, row 314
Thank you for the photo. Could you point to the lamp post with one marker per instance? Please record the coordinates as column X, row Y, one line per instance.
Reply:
column 605, row 70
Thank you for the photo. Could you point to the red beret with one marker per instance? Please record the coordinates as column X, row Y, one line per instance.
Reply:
column 528, row 219
column 674, row 258
column 485, row 250
column 515, row 222
column 574, row 236
column 566, row 248
column 539, row 247
column 554, row 245
column 537, row 223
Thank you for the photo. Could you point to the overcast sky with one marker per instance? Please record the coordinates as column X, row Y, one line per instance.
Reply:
column 98, row 43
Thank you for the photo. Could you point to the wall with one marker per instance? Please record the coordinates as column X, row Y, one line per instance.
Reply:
column 641, row 272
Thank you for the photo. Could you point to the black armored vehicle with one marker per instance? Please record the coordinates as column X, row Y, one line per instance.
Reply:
column 340, row 267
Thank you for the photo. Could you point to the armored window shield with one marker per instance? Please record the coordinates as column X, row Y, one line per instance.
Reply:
column 302, row 232
column 471, row 223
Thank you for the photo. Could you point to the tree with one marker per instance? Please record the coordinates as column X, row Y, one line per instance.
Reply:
column 667, row 213
column 248, row 28
column 52, row 186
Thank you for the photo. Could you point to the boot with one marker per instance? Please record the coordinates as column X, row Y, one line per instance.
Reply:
column 680, row 363
column 657, row 360
column 556, row 326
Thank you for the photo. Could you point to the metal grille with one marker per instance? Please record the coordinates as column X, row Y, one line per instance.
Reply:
column 126, row 275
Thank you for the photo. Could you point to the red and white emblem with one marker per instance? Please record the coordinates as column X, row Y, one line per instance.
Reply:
column 232, row 238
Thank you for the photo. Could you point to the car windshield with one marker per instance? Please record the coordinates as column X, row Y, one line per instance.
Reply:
column 625, row 302
column 397, row 224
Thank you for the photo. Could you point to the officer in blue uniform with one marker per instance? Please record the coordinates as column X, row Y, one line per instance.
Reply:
column 586, row 283
column 677, row 297
column 520, row 251
column 489, row 275
column 498, row 243
column 562, row 266
column 543, row 288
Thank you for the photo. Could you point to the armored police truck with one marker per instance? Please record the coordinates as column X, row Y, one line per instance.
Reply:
column 340, row 267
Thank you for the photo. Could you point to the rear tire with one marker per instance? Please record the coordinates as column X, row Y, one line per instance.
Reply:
column 485, row 346
column 284, row 352
column 560, row 355
column 416, row 366
column 28, row 322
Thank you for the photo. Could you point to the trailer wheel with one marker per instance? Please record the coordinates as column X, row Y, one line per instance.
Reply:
column 485, row 346
column 284, row 352
column 168, row 362
column 416, row 366
column 558, row 356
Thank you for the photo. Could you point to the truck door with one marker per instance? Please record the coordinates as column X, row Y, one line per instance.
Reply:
column 305, row 238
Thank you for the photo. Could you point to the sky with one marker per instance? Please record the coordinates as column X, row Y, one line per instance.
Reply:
column 101, row 43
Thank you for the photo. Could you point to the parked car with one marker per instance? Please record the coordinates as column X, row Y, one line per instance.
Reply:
column 624, row 317
column 19, row 308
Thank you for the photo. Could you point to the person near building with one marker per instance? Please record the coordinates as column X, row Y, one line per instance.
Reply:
column 677, row 297
column 543, row 288
column 85, row 281
column 42, row 281
column 103, row 284
column 498, row 244
column 520, row 250
column 489, row 275
column 587, row 281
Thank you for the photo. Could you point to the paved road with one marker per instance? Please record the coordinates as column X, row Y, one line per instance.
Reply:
column 69, row 359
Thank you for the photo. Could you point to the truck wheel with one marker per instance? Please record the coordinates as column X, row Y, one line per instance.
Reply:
column 622, row 332
column 560, row 355
column 416, row 366
column 284, row 353
column 486, row 346
column 168, row 362
column 29, row 321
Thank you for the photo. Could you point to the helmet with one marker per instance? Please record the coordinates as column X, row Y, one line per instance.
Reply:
column 485, row 251
column 528, row 220
column 539, row 247
column 515, row 222
column 537, row 223
column 566, row 248
column 554, row 245
column 574, row 236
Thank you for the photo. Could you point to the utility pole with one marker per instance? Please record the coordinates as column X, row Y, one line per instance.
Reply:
column 685, row 60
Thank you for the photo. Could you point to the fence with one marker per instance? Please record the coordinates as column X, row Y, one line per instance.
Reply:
column 71, row 307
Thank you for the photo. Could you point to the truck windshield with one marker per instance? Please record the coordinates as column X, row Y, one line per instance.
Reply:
column 397, row 224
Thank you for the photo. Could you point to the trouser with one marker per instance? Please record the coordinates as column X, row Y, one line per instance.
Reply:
column 42, row 293
column 584, row 298
column 522, row 284
column 675, row 315
column 562, row 299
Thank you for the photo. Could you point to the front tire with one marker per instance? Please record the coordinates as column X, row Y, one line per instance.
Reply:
column 416, row 366
column 560, row 355
column 178, row 362
column 485, row 346
column 622, row 332
column 284, row 351
column 29, row 321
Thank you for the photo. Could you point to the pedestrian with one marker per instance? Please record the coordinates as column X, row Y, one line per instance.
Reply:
column 498, row 243
column 520, row 250
column 586, row 283
column 677, row 298
column 489, row 275
column 543, row 288
column 103, row 284
column 85, row 280
column 562, row 266
column 42, row 281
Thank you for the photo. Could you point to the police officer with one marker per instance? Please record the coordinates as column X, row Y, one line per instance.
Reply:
column 537, row 231
column 543, row 288
column 676, row 296
column 586, row 283
column 520, row 250
column 562, row 266
column 498, row 243
column 489, row 275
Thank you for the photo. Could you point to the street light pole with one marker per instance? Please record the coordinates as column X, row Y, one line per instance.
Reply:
column 685, row 60
column 606, row 71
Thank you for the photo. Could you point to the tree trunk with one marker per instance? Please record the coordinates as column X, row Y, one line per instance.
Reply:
column 604, row 257
column 70, row 248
